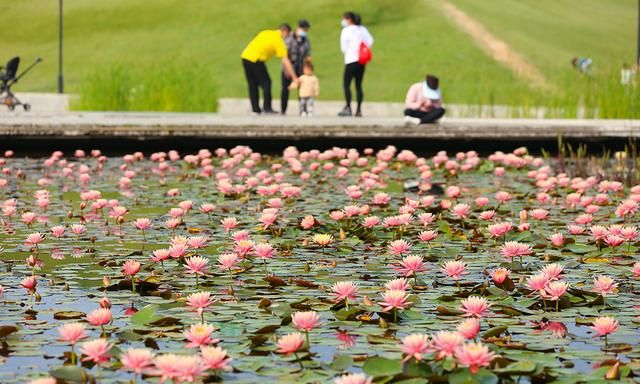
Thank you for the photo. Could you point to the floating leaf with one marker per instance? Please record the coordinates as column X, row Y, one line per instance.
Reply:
column 267, row 329
column 495, row 331
column 146, row 315
column 70, row 373
column 345, row 314
column 68, row 315
column 341, row 362
column 464, row 376
column 380, row 366
column 519, row 368
column 275, row 281
column 581, row 249
column 164, row 322
column 6, row 330
column 442, row 310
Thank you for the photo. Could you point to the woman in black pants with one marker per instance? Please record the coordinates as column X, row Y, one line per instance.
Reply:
column 353, row 33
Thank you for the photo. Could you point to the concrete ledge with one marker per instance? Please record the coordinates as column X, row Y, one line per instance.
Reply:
column 166, row 125
column 328, row 108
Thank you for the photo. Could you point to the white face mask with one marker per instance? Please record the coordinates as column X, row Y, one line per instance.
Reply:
column 344, row 23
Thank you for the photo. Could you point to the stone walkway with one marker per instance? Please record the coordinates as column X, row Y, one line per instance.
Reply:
column 166, row 125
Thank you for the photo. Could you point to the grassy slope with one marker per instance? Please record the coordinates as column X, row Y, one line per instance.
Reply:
column 551, row 32
column 411, row 38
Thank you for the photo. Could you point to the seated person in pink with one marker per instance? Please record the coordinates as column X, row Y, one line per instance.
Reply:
column 424, row 102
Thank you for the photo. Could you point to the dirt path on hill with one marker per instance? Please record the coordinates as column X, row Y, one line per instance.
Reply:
column 496, row 48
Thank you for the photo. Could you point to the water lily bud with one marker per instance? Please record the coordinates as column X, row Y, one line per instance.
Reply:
column 37, row 297
column 342, row 234
column 83, row 205
column 31, row 261
column 614, row 372
column 130, row 311
column 383, row 323
column 106, row 281
column 70, row 214
column 523, row 215
column 105, row 303
column 65, row 287
column 120, row 220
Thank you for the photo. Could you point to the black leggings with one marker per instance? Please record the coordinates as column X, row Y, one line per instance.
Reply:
column 425, row 117
column 351, row 71
column 257, row 76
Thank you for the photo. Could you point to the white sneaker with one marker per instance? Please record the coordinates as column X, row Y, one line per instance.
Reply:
column 412, row 120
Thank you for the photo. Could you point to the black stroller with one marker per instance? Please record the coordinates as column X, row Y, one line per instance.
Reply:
column 8, row 77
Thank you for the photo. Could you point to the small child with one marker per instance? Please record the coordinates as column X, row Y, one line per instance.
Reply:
column 582, row 64
column 308, row 88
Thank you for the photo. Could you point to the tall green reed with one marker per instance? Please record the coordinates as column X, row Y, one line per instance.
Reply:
column 167, row 88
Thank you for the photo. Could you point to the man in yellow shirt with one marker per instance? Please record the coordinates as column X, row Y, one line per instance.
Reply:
column 263, row 47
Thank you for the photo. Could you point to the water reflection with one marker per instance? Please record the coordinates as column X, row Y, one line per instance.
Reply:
column 558, row 329
column 348, row 340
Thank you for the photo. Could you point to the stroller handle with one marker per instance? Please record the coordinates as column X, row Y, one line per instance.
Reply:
column 38, row 60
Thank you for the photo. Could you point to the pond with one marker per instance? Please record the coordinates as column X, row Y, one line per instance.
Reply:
column 339, row 265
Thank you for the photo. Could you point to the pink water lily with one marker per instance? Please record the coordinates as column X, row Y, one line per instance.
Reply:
column 474, row 356
column 215, row 358
column 415, row 346
column 394, row 299
column 475, row 306
column 197, row 265
column 199, row 335
column 355, row 244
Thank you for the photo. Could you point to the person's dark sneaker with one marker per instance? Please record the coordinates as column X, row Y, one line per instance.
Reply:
column 270, row 112
column 345, row 112
column 358, row 113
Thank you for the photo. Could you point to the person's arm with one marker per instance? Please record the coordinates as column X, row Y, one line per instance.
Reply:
column 283, row 54
column 288, row 69
column 366, row 37
column 316, row 90
column 413, row 99
column 307, row 56
column 294, row 85
column 344, row 40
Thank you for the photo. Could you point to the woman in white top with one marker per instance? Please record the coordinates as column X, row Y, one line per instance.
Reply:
column 353, row 33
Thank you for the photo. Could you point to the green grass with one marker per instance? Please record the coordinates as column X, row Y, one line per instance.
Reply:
column 201, row 42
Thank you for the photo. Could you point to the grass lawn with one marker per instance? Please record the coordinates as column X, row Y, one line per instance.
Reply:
column 197, row 44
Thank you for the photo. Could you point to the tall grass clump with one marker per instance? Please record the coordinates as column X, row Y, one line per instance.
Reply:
column 165, row 88
column 572, row 95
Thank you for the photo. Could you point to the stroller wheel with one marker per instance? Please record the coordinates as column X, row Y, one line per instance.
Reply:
column 27, row 107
